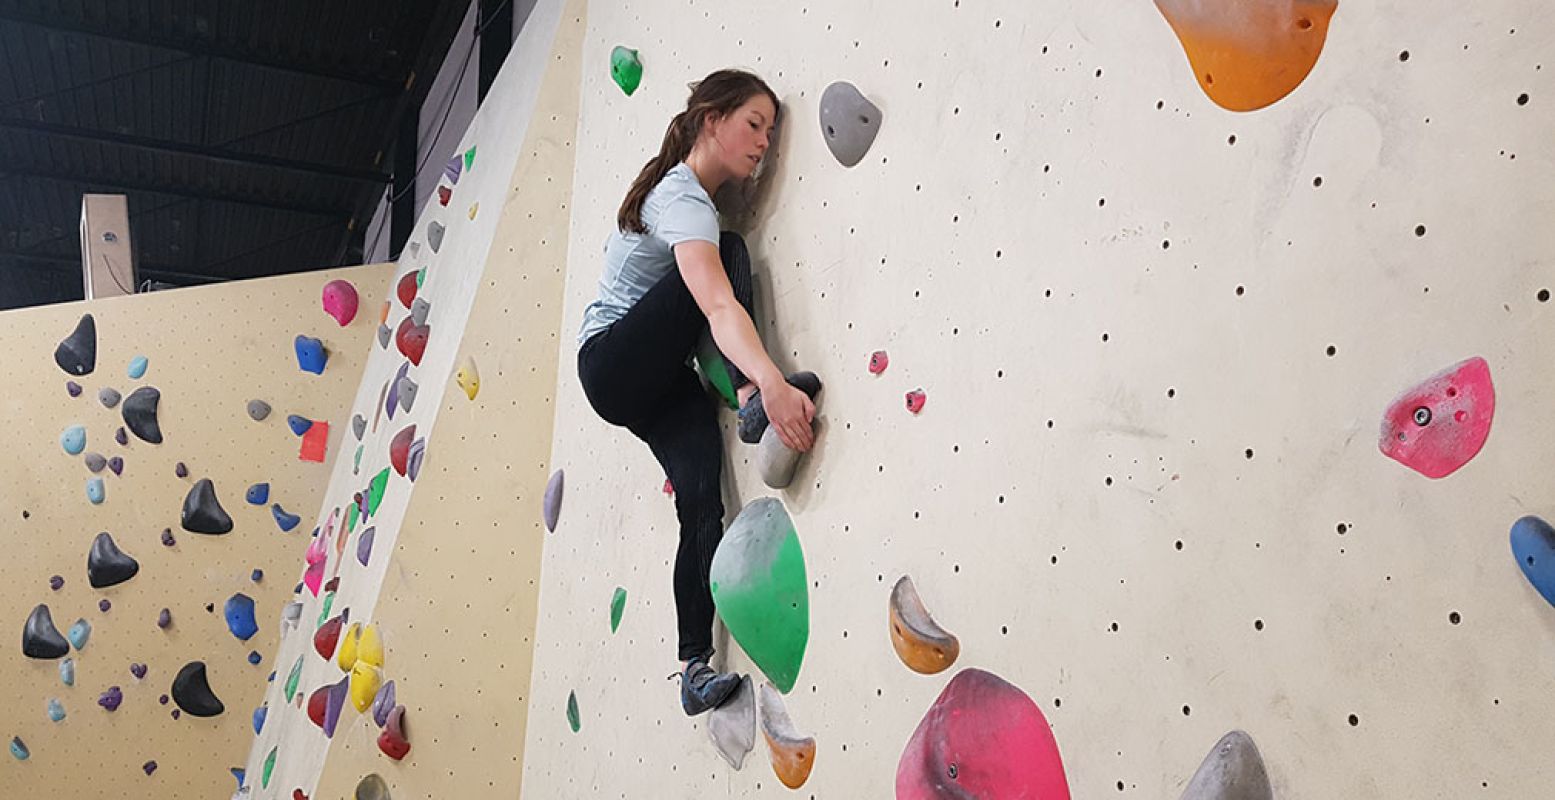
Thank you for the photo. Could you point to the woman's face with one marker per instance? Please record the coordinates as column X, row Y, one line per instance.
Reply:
column 742, row 137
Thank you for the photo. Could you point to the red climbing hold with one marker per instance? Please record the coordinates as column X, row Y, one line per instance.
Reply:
column 1440, row 424
column 318, row 702
column 411, row 339
column 444, row 194
column 406, row 290
column 878, row 361
column 983, row 737
column 399, row 449
column 669, row 488
column 315, row 443
column 327, row 636
column 392, row 741
column 298, row 795
column 915, row 400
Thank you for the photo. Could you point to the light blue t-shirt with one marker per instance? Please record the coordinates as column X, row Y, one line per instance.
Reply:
column 677, row 210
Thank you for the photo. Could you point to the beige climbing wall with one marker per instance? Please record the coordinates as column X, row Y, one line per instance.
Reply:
column 1157, row 338
column 210, row 350
column 452, row 577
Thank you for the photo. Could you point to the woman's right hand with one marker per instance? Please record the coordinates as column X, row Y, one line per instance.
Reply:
column 790, row 410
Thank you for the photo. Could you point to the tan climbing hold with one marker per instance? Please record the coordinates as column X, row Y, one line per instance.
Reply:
column 792, row 755
column 919, row 641
column 1247, row 54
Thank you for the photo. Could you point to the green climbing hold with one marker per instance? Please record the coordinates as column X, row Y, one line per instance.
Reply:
column 626, row 69
column 351, row 515
column 421, row 277
column 759, row 586
column 572, row 711
column 375, row 491
column 469, row 157
column 292, row 679
column 329, row 603
column 716, row 370
column 617, row 605
column 356, row 463
column 264, row 779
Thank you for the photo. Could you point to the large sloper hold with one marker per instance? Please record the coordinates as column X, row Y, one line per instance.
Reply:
column 372, row 787
column 393, row 741
column 107, row 565
column 77, row 353
column 1247, row 54
column 775, row 461
column 335, row 704
column 1440, row 424
column 411, row 339
column 40, row 639
column 849, row 122
column 792, row 753
column 732, row 726
column 983, row 737
column 1233, row 770
column 192, row 691
column 399, row 449
column 1533, row 545
column 551, row 505
column 759, row 586
column 203, row 512
column 340, row 301
column 920, row 642
column 140, row 414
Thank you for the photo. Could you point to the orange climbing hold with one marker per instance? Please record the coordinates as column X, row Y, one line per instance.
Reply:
column 1247, row 54
column 920, row 642
column 792, row 753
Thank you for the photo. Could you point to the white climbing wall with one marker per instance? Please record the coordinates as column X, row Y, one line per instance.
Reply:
column 210, row 350
column 1157, row 338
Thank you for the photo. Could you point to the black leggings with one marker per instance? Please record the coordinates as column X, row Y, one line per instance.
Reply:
column 635, row 375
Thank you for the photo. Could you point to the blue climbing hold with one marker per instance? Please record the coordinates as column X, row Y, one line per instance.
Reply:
column 1533, row 543
column 283, row 519
column 259, row 494
column 94, row 490
column 240, row 616
column 311, row 355
column 137, row 367
column 239, row 773
column 19, row 748
column 79, row 634
column 259, row 718
column 67, row 672
column 56, row 710
column 299, row 425
column 257, row 575
column 73, row 439
column 254, row 657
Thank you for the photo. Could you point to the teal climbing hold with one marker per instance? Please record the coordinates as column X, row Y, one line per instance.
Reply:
column 95, row 491
column 73, row 440
column 67, row 672
column 759, row 586
column 572, row 712
column 1233, row 770
column 617, row 605
column 79, row 634
column 19, row 749
column 137, row 367
column 56, row 710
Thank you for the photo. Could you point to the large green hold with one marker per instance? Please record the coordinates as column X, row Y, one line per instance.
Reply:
column 759, row 586
column 375, row 491
column 625, row 69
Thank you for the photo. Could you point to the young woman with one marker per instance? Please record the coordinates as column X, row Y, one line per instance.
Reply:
column 669, row 277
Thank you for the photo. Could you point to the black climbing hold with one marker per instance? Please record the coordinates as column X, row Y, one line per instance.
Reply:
column 56, row 582
column 40, row 639
column 192, row 691
column 77, row 354
column 107, row 565
column 203, row 513
column 140, row 414
column 167, row 537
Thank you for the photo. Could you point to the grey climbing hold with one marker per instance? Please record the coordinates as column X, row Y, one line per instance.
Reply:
column 258, row 410
column 1233, row 770
column 95, row 462
column 79, row 634
column 552, row 503
column 372, row 787
column 384, row 334
column 419, row 309
column 116, row 465
column 109, row 396
column 435, row 232
column 407, row 391
column 202, row 512
column 107, row 565
column 290, row 614
column 732, row 726
column 164, row 619
column 775, row 461
column 140, row 414
column 192, row 691
column 849, row 122
column 77, row 354
column 40, row 639
column 358, row 426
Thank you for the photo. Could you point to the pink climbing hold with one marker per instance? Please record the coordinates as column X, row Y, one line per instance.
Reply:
column 915, row 400
column 983, row 737
column 340, row 301
column 669, row 488
column 1441, row 423
column 316, row 556
column 878, row 361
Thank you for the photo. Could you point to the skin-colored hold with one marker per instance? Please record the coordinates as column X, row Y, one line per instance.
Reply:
column 1441, row 423
column 109, row 396
column 393, row 741
column 340, row 301
column 573, row 720
column 469, row 378
column 732, row 726
column 1247, row 54
column 1233, row 770
column 792, row 753
column 920, row 642
column 759, row 586
column 626, row 69
column 551, row 506
column 849, row 122
column 258, row 410
column 372, row 787
column 365, row 680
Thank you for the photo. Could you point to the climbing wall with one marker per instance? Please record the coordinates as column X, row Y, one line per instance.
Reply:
column 208, row 351
column 440, row 559
column 1161, row 273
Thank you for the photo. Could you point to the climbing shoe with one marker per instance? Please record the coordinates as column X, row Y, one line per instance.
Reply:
column 753, row 417
column 703, row 689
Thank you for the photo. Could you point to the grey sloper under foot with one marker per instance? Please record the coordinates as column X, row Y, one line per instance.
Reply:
column 1233, row 770
column 107, row 565
column 203, row 512
column 732, row 726
column 40, row 639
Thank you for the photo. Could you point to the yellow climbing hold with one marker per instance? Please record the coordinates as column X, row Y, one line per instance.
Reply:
column 469, row 379
column 365, row 680
column 346, row 656
column 370, row 648
column 474, row 207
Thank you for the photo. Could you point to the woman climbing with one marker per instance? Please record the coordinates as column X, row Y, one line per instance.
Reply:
column 669, row 278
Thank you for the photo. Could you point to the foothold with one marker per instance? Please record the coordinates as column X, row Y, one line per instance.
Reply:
column 419, row 311
column 79, row 634
column 116, row 465
column 336, row 704
column 375, row 490
column 40, row 639
column 407, row 393
column 327, row 636
column 878, row 361
column 258, row 494
column 617, row 605
column 411, row 339
column 181, row 470
column 318, row 705
column 107, row 565
column 285, row 521
column 369, row 648
column 399, row 449
column 239, row 612
column 192, row 691
column 474, row 209
column 669, row 488
column 149, row 767
column 435, row 231
column 920, row 642
column 626, row 69
column 291, row 613
column 551, row 506
column 95, row 462
column 418, row 451
column 314, row 575
column 372, row 787
column 56, row 710
column 983, row 737
column 792, row 754
column 299, row 425
column 732, row 726
column 95, row 491
column 269, row 767
column 56, row 582
column 444, row 194
column 311, row 355
column 77, row 353
column 1438, row 425
column 393, row 741
column 405, row 290
column 849, row 122
column 469, row 157
column 469, row 378
column 345, row 656
column 775, row 462
column 167, row 537
column 365, row 681
column 1233, row 770
column 364, row 546
column 383, row 704
column 203, row 512
column 759, row 587
column 111, row 699
column 260, row 715
column 358, row 426
column 73, row 440
column 452, row 170
column 391, row 398
column 915, row 400
column 340, row 301
column 104, row 604
column 164, row 619
column 67, row 672
column 383, row 335
column 73, row 388
column 1533, row 545
column 254, row 657
column 121, row 437
column 137, row 368
column 258, row 410
column 1248, row 55
column 19, row 749
column 109, row 396
column 292, row 679
column 573, row 721
column 140, row 414
column 257, row 575
column 139, row 671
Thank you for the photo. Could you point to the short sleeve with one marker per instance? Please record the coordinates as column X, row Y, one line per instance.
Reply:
column 687, row 218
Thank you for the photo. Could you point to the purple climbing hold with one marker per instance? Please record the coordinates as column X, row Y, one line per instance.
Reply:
column 257, row 575
column 254, row 657
column 103, row 605
column 552, row 503
column 167, row 537
column 164, row 619
column 177, row 713
column 57, row 581
column 138, row 670
column 383, row 704
column 180, row 470
column 149, row 767
column 116, row 464
column 163, row 699
column 111, row 698
column 73, row 388
column 121, row 437
column 364, row 545
column 334, row 703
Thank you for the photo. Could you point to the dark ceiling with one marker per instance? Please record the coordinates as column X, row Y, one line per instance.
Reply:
column 252, row 137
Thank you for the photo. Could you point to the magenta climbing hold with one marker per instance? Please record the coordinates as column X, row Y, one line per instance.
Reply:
column 111, row 698
column 552, row 502
column 1438, row 425
column 915, row 400
column 340, row 301
column 878, row 361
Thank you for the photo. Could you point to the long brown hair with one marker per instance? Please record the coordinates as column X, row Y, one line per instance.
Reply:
column 719, row 93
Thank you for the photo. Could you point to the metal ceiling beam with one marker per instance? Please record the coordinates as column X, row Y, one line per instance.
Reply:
column 226, row 51
column 198, row 151
column 175, row 190
column 38, row 261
